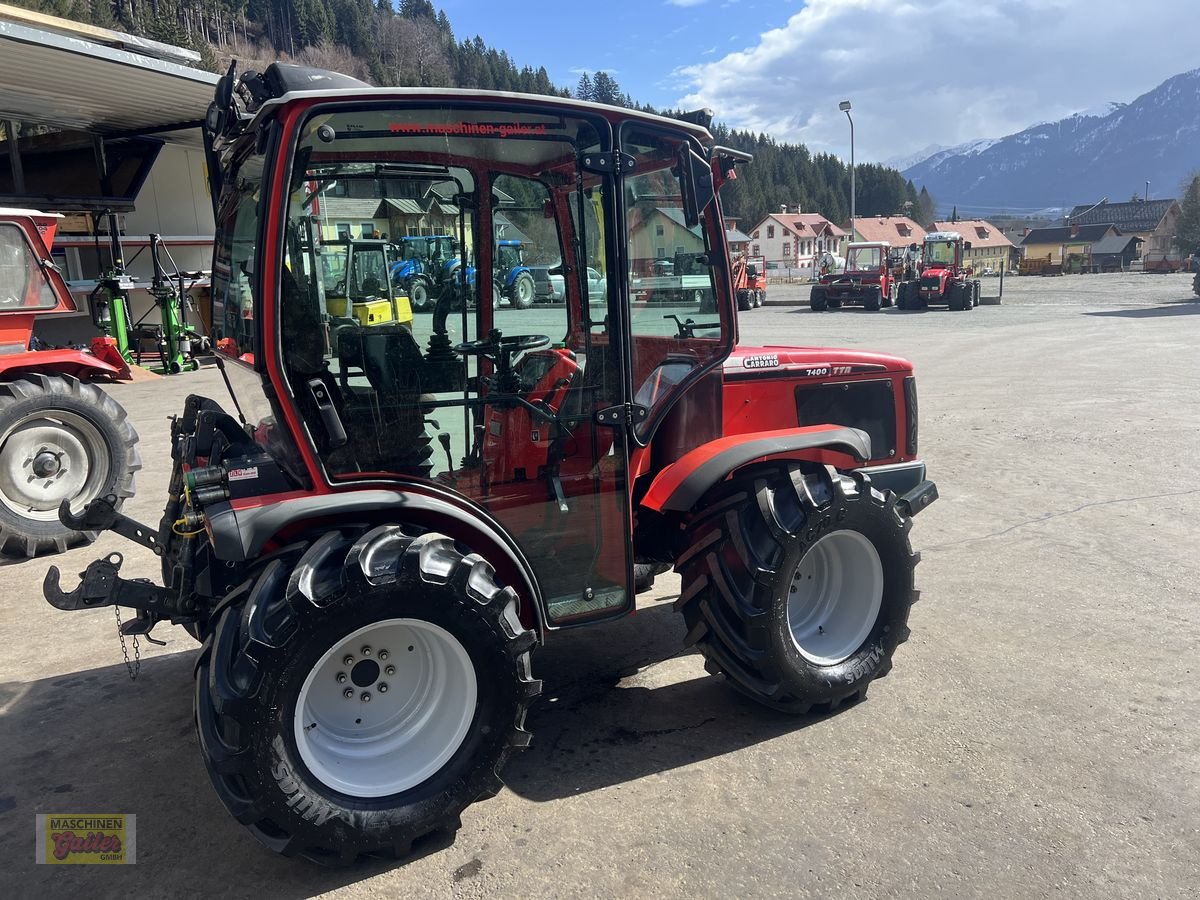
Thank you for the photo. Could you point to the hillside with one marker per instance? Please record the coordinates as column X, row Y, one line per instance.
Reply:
column 1110, row 152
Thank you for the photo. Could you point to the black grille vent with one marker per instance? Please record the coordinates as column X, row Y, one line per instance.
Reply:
column 910, row 411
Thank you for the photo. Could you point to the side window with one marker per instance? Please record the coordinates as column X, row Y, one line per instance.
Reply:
column 674, row 320
column 234, row 263
column 23, row 283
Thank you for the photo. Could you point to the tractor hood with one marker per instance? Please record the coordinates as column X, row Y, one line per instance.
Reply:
column 809, row 362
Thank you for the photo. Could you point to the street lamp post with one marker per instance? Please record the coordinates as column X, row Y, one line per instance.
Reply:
column 844, row 106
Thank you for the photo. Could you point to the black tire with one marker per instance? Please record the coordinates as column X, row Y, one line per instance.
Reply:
column 746, row 542
column 954, row 296
column 523, row 291
column 977, row 290
column 902, row 295
column 644, row 575
column 745, row 301
column 817, row 301
column 873, row 300
column 93, row 425
column 419, row 296
column 271, row 632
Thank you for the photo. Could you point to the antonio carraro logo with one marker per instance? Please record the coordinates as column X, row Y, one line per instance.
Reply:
column 761, row 361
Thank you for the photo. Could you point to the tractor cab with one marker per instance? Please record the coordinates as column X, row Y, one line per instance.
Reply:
column 355, row 277
column 530, row 415
column 943, row 250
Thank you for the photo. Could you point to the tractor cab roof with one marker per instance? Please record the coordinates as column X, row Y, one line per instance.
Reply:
column 935, row 236
column 242, row 105
column 863, row 244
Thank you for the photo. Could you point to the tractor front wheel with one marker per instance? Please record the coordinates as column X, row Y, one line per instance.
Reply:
column 873, row 300
column 797, row 584
column 358, row 696
column 418, row 295
column 60, row 439
column 817, row 301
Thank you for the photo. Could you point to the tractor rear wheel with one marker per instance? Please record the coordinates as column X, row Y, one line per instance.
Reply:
column 523, row 292
column 817, row 301
column 356, row 698
column 797, row 584
column 60, row 439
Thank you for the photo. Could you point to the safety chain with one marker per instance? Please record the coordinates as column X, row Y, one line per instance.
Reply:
column 134, row 668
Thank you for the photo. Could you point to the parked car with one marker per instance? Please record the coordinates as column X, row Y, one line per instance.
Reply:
column 550, row 284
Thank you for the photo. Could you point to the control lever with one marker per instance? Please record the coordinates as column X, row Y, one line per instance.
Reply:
column 334, row 428
column 444, row 440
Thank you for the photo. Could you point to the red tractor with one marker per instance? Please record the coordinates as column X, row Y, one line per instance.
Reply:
column 749, row 282
column 866, row 279
column 62, row 439
column 944, row 276
column 396, row 518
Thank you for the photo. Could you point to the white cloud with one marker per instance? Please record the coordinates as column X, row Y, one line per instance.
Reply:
column 938, row 71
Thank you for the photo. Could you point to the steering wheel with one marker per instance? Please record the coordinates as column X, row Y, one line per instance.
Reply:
column 503, row 346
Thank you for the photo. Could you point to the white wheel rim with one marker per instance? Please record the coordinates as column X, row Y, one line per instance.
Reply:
column 421, row 691
column 834, row 598
column 51, row 456
column 524, row 290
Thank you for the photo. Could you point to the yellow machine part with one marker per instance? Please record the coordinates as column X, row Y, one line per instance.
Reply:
column 372, row 312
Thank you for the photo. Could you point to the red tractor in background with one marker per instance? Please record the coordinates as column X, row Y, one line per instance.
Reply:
column 369, row 605
column 62, row 439
column 944, row 275
column 867, row 279
column 749, row 282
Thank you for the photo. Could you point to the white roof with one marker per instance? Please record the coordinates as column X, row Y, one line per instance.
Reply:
column 854, row 244
column 59, row 73
column 32, row 213
column 943, row 236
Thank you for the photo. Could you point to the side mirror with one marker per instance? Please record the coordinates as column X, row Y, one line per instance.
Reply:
column 696, row 180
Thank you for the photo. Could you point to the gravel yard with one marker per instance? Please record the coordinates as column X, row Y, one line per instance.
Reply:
column 1040, row 733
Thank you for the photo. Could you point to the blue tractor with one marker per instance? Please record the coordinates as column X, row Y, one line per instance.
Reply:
column 425, row 267
column 512, row 278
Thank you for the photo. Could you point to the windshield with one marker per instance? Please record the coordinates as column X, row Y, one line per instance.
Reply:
column 864, row 259
column 939, row 253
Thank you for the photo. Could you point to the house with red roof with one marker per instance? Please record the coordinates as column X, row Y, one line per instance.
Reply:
column 899, row 231
column 793, row 239
column 990, row 247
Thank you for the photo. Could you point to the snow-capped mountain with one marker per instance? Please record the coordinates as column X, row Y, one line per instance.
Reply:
column 1110, row 151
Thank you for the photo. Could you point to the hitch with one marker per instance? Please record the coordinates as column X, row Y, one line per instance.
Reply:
column 101, row 585
column 101, row 515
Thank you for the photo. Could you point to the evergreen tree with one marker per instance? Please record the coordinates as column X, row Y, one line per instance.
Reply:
column 925, row 208
column 1187, row 237
column 584, row 90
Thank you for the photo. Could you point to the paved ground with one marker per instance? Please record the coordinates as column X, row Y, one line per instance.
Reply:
column 1039, row 735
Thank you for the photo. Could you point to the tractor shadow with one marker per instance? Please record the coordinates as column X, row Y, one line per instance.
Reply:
column 621, row 701
column 626, row 701
column 1187, row 306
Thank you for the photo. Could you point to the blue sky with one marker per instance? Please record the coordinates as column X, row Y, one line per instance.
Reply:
column 920, row 72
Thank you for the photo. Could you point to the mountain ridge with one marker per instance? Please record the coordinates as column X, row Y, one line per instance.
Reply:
column 1080, row 158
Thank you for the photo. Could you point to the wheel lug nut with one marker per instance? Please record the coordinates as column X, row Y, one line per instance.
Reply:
column 383, row 654
column 348, row 660
column 341, row 677
column 381, row 687
column 366, row 697
column 365, row 651
column 348, row 693
column 390, row 670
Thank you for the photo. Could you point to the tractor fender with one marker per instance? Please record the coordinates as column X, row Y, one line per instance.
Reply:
column 77, row 363
column 242, row 532
column 679, row 486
